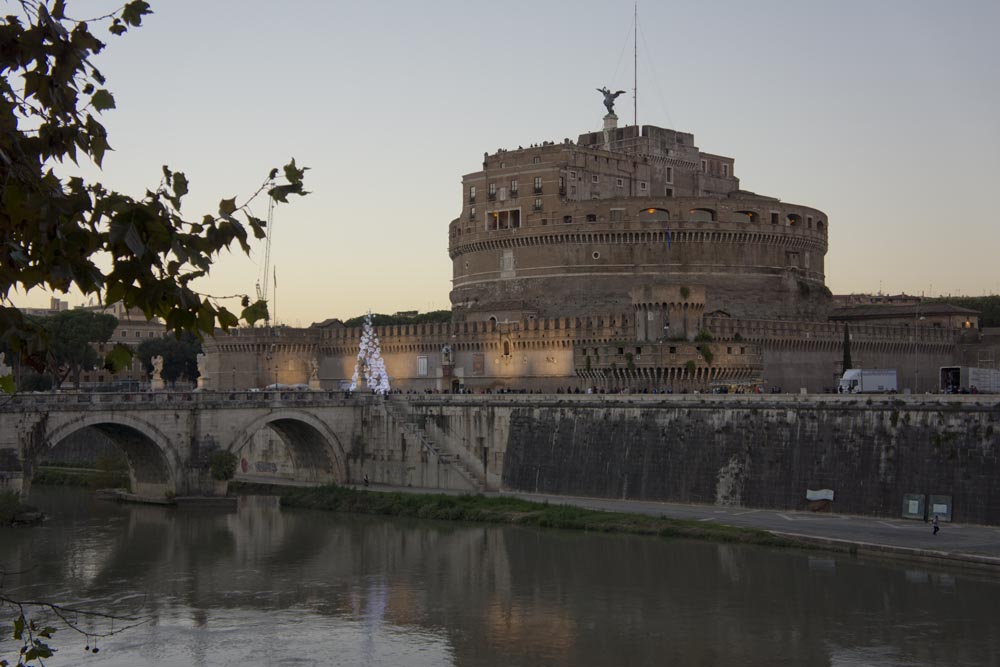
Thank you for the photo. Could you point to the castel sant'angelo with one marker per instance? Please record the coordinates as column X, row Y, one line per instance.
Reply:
column 627, row 260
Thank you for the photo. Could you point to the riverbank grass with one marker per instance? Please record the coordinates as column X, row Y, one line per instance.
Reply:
column 506, row 510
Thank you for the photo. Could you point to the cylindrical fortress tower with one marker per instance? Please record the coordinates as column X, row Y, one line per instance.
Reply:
column 559, row 230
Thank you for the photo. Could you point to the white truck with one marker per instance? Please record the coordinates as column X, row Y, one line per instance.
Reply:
column 955, row 379
column 868, row 381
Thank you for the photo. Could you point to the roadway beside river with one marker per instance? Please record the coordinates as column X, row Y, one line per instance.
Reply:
column 956, row 544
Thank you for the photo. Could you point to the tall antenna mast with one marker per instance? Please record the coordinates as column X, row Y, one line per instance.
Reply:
column 635, row 64
column 262, row 284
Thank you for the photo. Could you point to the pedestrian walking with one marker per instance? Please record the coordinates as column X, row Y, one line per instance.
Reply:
column 936, row 526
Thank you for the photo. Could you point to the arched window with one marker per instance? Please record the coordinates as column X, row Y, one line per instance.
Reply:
column 701, row 215
column 820, row 225
column 751, row 216
column 793, row 219
column 654, row 215
column 506, row 347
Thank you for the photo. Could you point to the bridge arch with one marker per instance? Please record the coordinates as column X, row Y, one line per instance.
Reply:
column 317, row 453
column 153, row 461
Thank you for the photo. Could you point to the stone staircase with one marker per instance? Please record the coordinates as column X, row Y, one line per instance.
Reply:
column 399, row 410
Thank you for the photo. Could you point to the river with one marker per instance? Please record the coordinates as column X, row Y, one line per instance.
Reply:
column 271, row 586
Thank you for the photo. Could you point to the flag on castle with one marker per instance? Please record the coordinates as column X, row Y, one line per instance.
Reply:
column 668, row 238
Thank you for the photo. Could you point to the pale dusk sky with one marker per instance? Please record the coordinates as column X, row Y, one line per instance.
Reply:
column 885, row 114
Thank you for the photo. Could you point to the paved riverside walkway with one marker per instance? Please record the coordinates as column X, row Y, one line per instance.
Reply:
column 955, row 545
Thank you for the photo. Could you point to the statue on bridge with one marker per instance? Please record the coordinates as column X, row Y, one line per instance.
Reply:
column 203, row 372
column 156, row 381
column 314, row 374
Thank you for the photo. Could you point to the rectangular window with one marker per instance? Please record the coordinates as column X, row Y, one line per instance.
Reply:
column 670, row 174
column 591, row 217
column 593, row 178
column 619, row 182
column 506, row 219
column 513, row 188
column 472, row 194
column 538, row 185
column 503, row 194
column 472, row 213
column 774, row 217
column 138, row 334
column 704, row 166
column 643, row 185
column 617, row 214
column 492, row 193
column 422, row 366
column 725, row 170
column 572, row 175
column 536, row 160
column 538, row 204
column 572, row 189
column 669, row 192
column 567, row 219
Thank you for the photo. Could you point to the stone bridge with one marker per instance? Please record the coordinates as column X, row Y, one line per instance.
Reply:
column 763, row 451
column 169, row 437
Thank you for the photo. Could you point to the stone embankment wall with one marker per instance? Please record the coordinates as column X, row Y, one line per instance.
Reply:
column 753, row 451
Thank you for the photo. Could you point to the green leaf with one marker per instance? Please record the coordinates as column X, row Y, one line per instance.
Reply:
column 19, row 627
column 119, row 358
column 180, row 185
column 227, row 207
column 226, row 319
column 255, row 312
column 102, row 100
column 133, row 12
column 116, row 28
column 293, row 173
column 7, row 384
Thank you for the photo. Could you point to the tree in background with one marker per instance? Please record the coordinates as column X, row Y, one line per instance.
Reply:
column 988, row 307
column 848, row 362
column 433, row 316
column 180, row 356
column 55, row 228
column 71, row 336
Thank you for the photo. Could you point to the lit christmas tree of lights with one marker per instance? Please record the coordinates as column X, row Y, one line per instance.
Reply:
column 370, row 361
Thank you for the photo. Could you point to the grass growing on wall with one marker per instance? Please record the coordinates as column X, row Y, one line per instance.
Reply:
column 506, row 510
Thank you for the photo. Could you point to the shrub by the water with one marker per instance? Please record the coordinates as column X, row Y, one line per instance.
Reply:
column 11, row 506
column 505, row 509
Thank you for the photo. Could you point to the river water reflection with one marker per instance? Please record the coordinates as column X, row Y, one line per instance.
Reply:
column 275, row 586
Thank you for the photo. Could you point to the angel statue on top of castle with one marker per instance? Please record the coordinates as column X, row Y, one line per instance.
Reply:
column 609, row 98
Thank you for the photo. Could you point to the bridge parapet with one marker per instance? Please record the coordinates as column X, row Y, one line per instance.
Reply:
column 179, row 400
